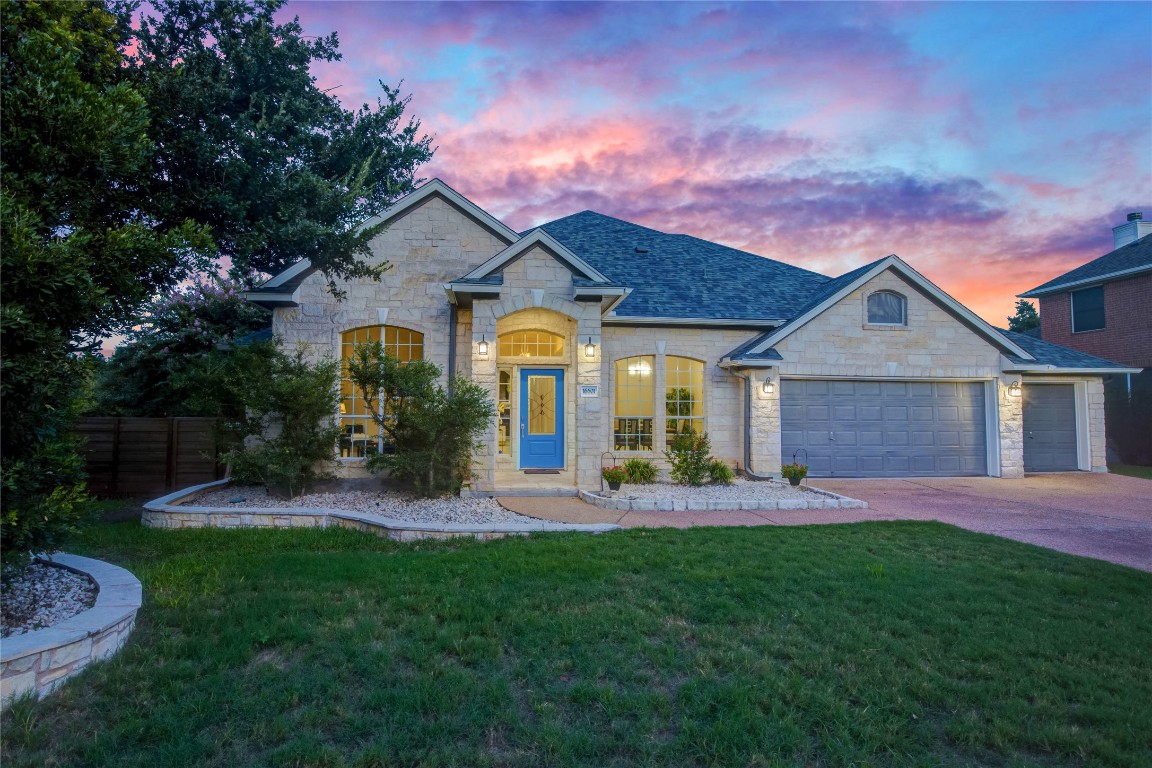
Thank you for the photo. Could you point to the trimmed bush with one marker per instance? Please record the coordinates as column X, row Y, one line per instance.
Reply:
column 640, row 471
column 688, row 455
column 721, row 473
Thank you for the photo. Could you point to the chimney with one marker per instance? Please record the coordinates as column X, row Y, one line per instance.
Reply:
column 1132, row 231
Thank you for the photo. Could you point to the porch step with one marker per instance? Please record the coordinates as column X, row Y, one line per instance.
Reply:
column 566, row 491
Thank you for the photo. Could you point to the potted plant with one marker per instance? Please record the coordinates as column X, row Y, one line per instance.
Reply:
column 795, row 472
column 614, row 476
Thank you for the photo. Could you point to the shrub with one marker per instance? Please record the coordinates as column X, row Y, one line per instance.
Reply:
column 287, row 438
column 44, row 499
column 430, row 432
column 688, row 455
column 721, row 473
column 640, row 471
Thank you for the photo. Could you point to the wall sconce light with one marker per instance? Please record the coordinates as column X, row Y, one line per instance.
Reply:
column 769, row 386
column 1014, row 389
column 589, row 348
column 482, row 347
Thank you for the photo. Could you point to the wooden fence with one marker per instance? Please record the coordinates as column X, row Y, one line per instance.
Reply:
column 131, row 456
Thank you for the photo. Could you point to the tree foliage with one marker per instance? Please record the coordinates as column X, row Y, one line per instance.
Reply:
column 248, row 145
column 430, row 432
column 285, row 436
column 77, row 254
column 1026, row 317
column 163, row 367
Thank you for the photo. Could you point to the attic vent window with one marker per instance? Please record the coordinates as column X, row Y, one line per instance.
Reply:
column 641, row 250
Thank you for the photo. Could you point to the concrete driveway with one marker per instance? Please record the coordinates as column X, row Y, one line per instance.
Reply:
column 1108, row 517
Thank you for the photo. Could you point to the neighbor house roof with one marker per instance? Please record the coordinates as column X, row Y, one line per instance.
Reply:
column 679, row 276
column 1127, row 260
column 1049, row 356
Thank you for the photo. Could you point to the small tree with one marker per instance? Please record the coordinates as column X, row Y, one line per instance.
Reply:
column 430, row 432
column 688, row 455
column 1026, row 317
column 154, row 372
column 287, row 436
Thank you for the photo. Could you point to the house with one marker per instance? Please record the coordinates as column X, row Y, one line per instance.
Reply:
column 1104, row 308
column 600, row 340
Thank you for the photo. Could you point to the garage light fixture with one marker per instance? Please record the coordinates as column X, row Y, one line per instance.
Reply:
column 482, row 347
column 1014, row 389
column 589, row 348
column 769, row 386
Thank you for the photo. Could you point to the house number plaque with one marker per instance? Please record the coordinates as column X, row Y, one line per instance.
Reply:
column 589, row 390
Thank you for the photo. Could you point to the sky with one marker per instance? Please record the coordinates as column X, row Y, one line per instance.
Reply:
column 992, row 146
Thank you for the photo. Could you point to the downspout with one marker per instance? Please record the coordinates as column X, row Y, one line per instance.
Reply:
column 748, row 428
column 451, row 345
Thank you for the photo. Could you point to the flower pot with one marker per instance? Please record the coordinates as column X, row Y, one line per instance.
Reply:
column 613, row 486
column 795, row 480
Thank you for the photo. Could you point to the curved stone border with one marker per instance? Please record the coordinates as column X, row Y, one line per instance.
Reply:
column 828, row 500
column 41, row 661
column 168, row 512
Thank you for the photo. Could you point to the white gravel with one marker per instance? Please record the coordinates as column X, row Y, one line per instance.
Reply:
column 443, row 510
column 739, row 490
column 41, row 596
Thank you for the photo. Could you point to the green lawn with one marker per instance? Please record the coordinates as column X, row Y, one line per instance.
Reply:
column 876, row 644
column 1132, row 470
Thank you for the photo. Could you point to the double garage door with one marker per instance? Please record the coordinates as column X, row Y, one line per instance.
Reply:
column 884, row 428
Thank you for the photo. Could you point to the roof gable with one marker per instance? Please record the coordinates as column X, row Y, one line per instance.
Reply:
column 1130, row 259
column 532, row 239
column 278, row 289
column 840, row 287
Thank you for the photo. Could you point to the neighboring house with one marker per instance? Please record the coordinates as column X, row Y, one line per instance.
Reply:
column 600, row 340
column 1104, row 307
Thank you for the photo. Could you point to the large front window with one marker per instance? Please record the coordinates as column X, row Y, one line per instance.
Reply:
column 360, row 434
column 683, row 397
column 635, row 396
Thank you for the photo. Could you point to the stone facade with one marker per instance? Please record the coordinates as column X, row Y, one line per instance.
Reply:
column 435, row 242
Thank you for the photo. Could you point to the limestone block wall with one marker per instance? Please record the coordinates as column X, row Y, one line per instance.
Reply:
column 537, row 269
column 933, row 344
column 1096, row 436
column 1011, row 433
column 427, row 247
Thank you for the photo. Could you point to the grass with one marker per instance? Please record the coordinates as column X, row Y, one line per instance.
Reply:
column 1131, row 470
column 896, row 644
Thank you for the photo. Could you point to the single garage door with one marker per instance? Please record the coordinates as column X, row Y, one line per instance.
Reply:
column 1049, row 428
column 884, row 428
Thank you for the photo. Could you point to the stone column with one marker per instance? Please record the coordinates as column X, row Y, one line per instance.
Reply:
column 1098, row 460
column 1011, row 427
column 591, row 433
column 765, row 452
column 484, row 374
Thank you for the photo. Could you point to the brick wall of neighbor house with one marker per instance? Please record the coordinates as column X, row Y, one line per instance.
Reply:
column 933, row 345
column 1127, row 335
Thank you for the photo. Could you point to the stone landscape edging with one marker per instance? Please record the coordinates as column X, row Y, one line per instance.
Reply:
column 630, row 504
column 42, row 660
column 167, row 512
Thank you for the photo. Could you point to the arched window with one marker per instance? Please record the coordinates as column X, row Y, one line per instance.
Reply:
column 683, row 396
column 634, row 404
column 887, row 308
column 531, row 344
column 360, row 434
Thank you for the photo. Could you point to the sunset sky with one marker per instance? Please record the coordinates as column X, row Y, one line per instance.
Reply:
column 991, row 145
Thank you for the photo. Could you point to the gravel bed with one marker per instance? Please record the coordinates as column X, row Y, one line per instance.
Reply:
column 43, row 595
column 739, row 490
column 444, row 510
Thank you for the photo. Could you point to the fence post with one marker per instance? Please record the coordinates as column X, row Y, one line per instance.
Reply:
column 115, row 456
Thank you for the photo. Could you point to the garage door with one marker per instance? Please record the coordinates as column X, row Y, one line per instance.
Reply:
column 1049, row 428
column 884, row 428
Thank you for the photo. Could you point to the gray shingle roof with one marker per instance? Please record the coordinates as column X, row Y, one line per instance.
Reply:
column 1133, row 257
column 679, row 276
column 1047, row 353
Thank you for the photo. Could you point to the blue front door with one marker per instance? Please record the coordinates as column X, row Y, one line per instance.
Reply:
column 541, row 418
